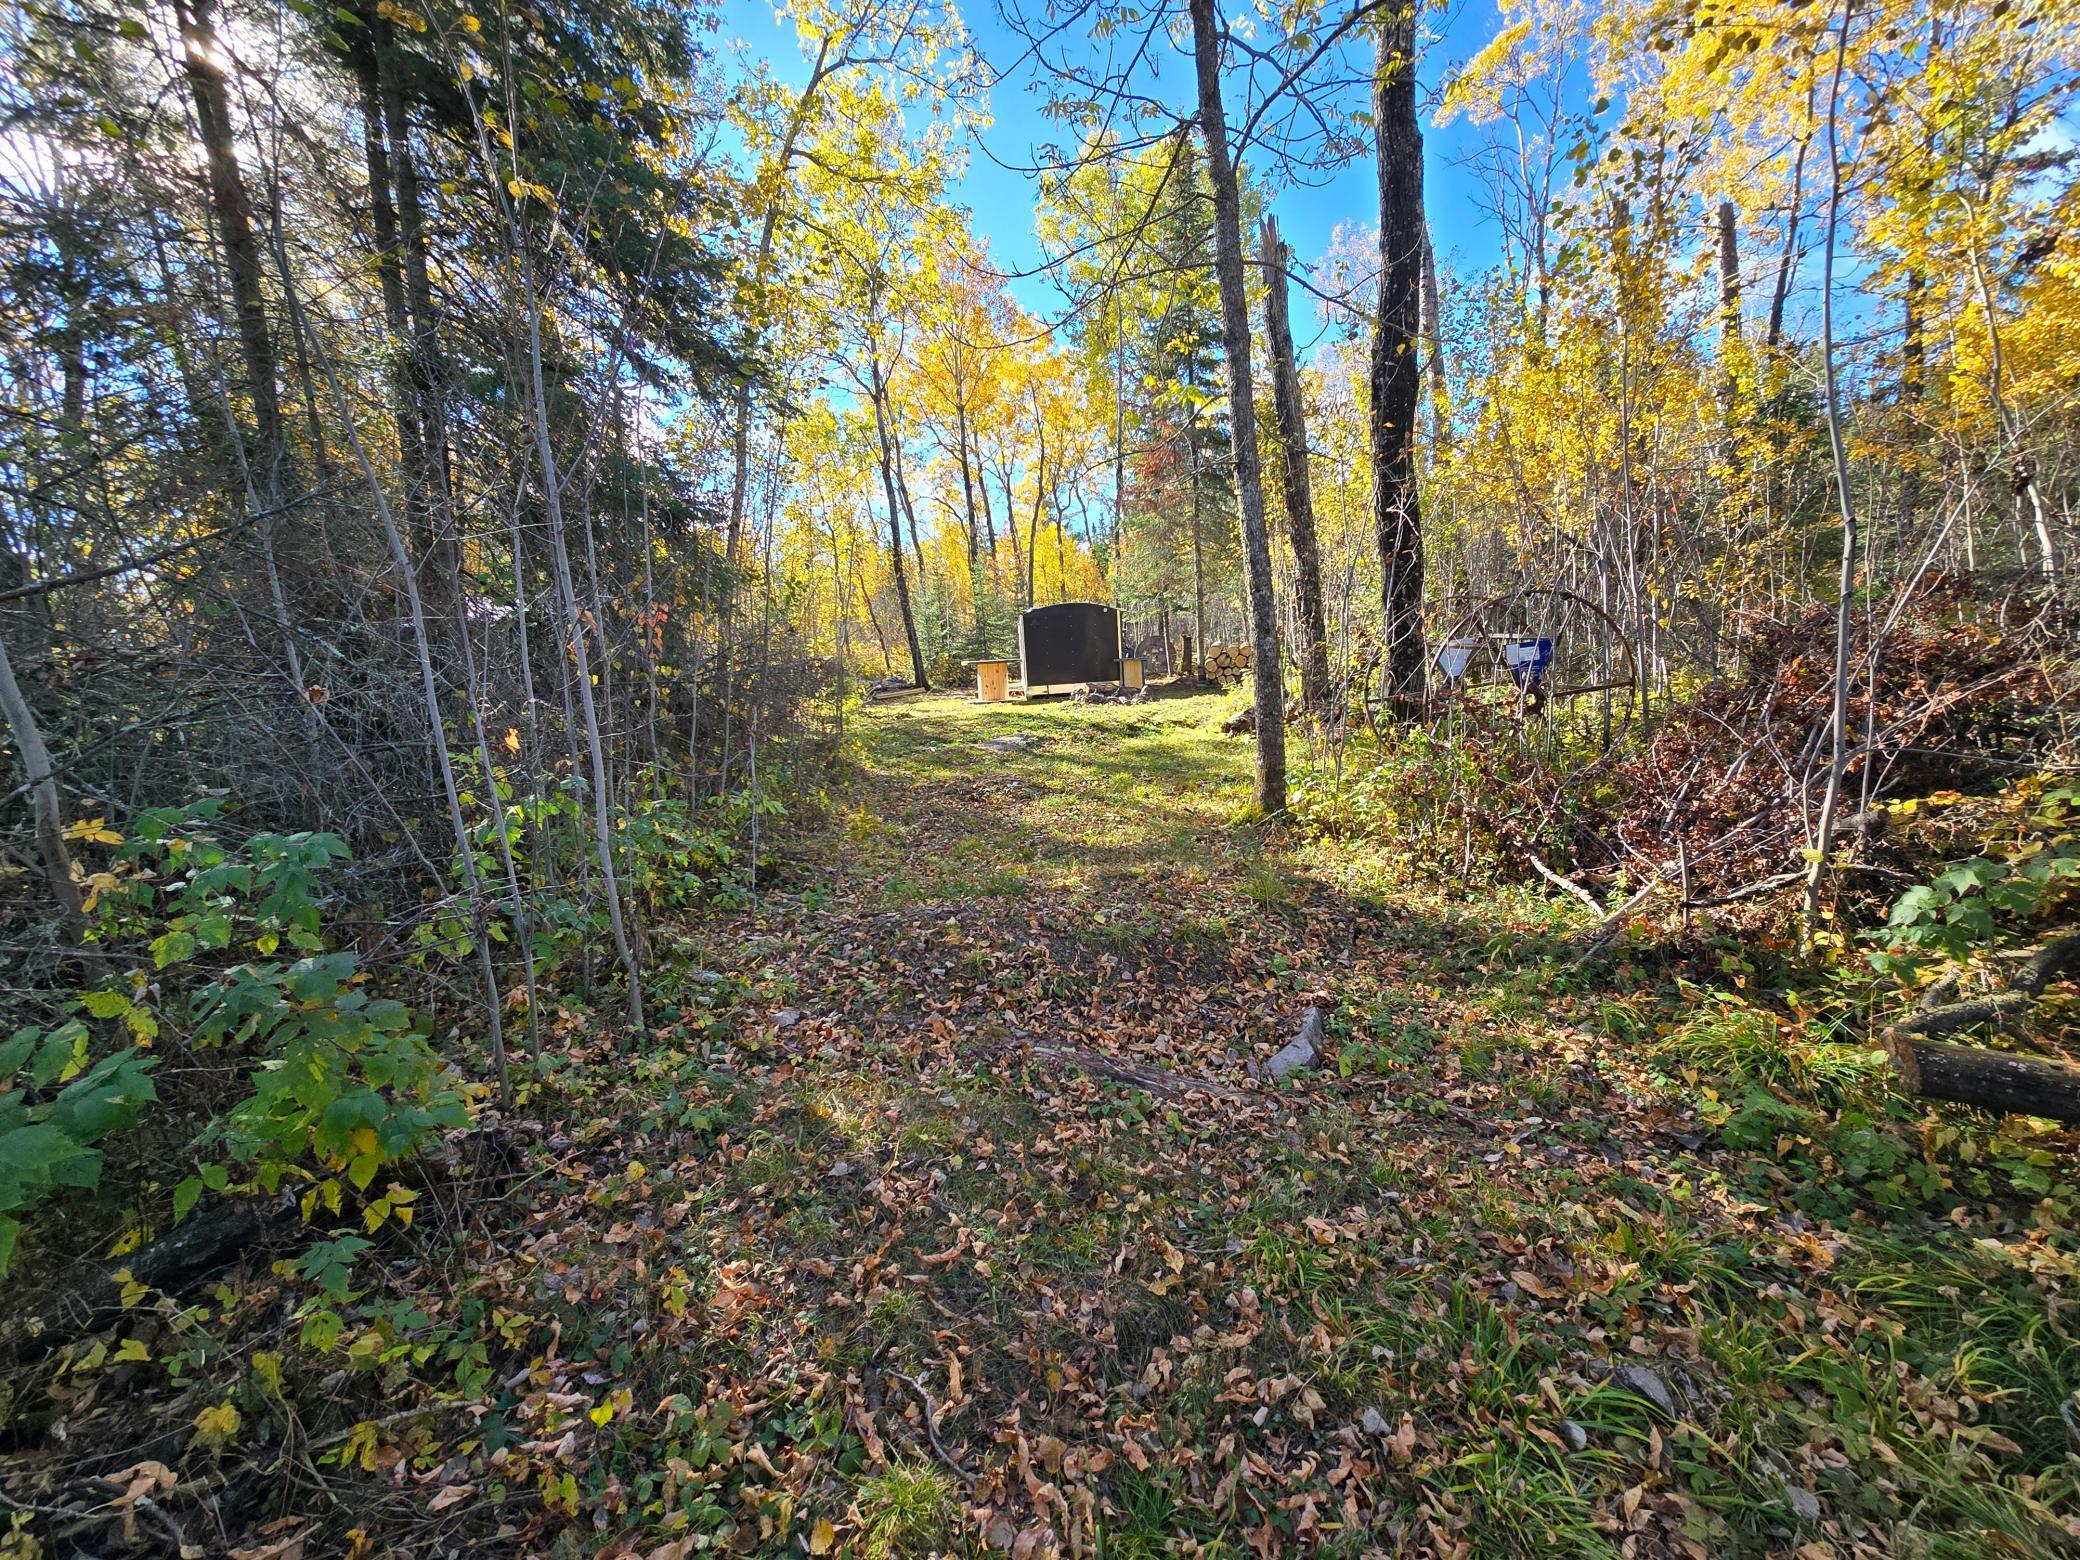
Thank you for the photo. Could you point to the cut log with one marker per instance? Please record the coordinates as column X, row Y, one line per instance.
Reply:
column 1989, row 1079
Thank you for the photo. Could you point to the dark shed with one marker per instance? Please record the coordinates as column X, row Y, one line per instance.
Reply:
column 1068, row 644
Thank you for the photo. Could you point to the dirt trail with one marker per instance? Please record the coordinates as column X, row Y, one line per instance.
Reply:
column 1479, row 1284
column 944, row 1213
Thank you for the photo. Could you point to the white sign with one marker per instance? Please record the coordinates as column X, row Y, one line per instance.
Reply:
column 1452, row 657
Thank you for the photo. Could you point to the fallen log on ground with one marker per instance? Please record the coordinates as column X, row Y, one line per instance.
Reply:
column 1979, row 1075
column 1937, row 1069
column 1562, row 882
column 1587, row 944
column 1156, row 1080
column 185, row 1255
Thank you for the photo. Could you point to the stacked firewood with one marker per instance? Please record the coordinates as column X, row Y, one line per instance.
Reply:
column 1226, row 662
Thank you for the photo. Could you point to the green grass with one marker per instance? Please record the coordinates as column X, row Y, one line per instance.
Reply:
column 905, row 1509
column 1513, row 1173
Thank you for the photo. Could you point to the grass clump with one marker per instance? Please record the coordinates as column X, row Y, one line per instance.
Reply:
column 905, row 1509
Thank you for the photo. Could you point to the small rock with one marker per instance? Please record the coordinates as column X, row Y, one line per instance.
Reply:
column 1303, row 1050
column 1804, row 1502
column 707, row 977
column 1574, row 1435
column 1647, row 1384
column 1015, row 742
column 838, row 1171
column 1375, row 1423
column 787, row 1018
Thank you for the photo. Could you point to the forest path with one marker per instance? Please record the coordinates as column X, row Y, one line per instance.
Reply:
column 1482, row 1283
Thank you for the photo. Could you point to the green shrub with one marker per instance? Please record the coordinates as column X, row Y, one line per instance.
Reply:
column 47, row 1138
column 343, row 1084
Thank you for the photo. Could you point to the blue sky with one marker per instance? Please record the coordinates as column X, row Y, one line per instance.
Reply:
column 1000, row 195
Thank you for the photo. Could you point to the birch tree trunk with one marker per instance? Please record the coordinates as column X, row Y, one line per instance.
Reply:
column 895, row 521
column 1838, row 712
column 1729, row 341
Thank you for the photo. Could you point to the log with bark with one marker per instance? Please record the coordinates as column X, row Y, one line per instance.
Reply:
column 201, row 1248
column 1979, row 1075
column 1939, row 1069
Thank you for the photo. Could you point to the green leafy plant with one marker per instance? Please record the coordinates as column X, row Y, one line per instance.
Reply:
column 344, row 1084
column 2012, row 882
column 56, row 1103
column 346, row 1081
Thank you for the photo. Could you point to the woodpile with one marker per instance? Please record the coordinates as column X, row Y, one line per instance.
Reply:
column 1226, row 662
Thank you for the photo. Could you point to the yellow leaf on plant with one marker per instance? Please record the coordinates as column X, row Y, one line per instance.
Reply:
column 822, row 1537
column 217, row 1425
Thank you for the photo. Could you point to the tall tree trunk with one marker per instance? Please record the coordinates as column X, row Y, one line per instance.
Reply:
column 2022, row 465
column 740, row 427
column 43, row 796
column 429, row 689
column 1265, row 663
column 1195, row 663
column 909, row 514
column 1396, row 507
column 1729, row 341
column 1299, row 487
column 989, row 520
column 1433, row 340
column 895, row 521
column 1913, row 380
column 1838, row 711
column 232, row 207
column 396, row 313
column 1787, row 257
column 1033, row 523
column 960, row 407
column 1119, row 450
column 1018, row 565
column 567, row 595
column 441, row 562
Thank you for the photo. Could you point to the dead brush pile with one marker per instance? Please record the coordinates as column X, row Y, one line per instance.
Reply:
column 1941, row 700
